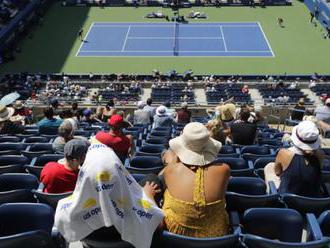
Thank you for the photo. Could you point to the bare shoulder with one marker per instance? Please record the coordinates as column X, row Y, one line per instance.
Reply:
column 222, row 169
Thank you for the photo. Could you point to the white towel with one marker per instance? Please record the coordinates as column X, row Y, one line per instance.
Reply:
column 105, row 195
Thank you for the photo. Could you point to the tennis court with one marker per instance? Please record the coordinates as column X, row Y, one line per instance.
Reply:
column 241, row 39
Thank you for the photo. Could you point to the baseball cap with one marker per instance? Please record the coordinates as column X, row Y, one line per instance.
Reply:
column 75, row 148
column 117, row 121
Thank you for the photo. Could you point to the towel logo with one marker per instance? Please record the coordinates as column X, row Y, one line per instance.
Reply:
column 145, row 205
column 118, row 211
column 103, row 176
column 89, row 203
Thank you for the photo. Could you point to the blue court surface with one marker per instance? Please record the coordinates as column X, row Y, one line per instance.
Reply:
column 241, row 39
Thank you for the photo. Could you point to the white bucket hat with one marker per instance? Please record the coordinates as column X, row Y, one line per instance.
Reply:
column 305, row 136
column 6, row 113
column 161, row 110
column 194, row 146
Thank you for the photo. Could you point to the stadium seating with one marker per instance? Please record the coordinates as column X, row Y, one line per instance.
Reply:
column 145, row 165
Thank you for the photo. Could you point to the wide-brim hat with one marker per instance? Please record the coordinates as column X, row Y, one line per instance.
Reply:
column 18, row 105
column 227, row 111
column 195, row 146
column 306, row 136
column 161, row 110
column 6, row 113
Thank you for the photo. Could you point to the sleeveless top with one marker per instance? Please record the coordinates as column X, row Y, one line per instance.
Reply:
column 301, row 178
column 198, row 218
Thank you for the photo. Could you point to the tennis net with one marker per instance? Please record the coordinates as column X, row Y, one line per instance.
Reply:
column 176, row 39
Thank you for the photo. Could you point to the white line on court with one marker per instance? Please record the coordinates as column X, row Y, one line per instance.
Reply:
column 265, row 37
column 165, row 51
column 223, row 38
column 171, row 26
column 127, row 33
column 168, row 38
column 85, row 38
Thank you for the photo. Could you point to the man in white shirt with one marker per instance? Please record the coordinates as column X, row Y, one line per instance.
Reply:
column 322, row 113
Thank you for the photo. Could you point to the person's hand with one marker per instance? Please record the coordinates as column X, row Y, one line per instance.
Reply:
column 151, row 189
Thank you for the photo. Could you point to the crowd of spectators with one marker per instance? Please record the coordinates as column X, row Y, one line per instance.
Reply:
column 9, row 8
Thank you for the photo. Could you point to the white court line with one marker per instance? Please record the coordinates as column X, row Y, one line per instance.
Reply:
column 145, row 51
column 165, row 38
column 124, row 45
column 85, row 38
column 265, row 37
column 170, row 26
column 223, row 37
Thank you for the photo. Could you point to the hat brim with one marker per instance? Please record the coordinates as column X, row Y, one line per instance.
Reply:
column 11, row 112
column 303, row 146
column 187, row 156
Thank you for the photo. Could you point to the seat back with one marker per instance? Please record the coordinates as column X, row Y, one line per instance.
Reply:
column 13, row 159
column 50, row 199
column 146, row 162
column 18, row 195
column 11, row 139
column 227, row 150
column 247, row 185
column 262, row 162
column 234, row 163
column 30, row 216
column 261, row 150
column 168, row 239
column 324, row 222
column 36, row 139
column 284, row 224
column 35, row 239
column 306, row 205
column 13, row 181
column 45, row 158
column 152, row 149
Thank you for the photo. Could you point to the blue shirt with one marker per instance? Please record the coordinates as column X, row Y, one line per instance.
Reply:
column 50, row 123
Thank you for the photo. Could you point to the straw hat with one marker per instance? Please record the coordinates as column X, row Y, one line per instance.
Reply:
column 194, row 146
column 305, row 136
column 5, row 113
column 18, row 105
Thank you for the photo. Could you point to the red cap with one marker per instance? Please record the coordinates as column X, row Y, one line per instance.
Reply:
column 116, row 121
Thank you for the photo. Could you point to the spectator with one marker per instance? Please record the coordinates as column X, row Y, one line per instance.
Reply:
column 49, row 120
column 65, row 134
column 76, row 111
column 23, row 111
column 226, row 113
column 6, row 125
column 60, row 178
column 183, row 115
column 245, row 89
column 89, row 117
column 242, row 131
column 115, row 139
column 323, row 112
column 170, row 111
column 217, row 131
column 298, row 111
column 150, row 109
column 109, row 111
column 162, row 119
column 54, row 103
column 141, row 116
column 196, row 187
column 297, row 170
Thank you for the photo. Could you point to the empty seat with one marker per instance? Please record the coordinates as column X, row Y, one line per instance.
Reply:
column 11, row 139
column 13, row 181
column 50, row 199
column 11, row 148
column 260, row 150
column 150, row 150
column 238, row 166
column 36, row 139
column 37, row 149
column 38, row 163
column 284, row 229
column 145, row 164
column 34, row 228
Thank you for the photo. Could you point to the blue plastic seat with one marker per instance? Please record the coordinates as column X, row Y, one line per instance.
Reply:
column 324, row 222
column 34, row 228
column 306, row 205
column 157, row 141
column 38, row 149
column 13, row 181
column 50, row 199
column 284, row 229
column 11, row 139
column 170, row 240
column 150, row 150
column 226, row 149
column 36, row 165
column 11, row 148
column 260, row 163
column 17, row 195
column 260, row 150
column 145, row 165
column 238, row 166
column 36, row 139
column 249, row 192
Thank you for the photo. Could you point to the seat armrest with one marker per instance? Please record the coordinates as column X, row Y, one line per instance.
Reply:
column 313, row 228
column 33, row 161
column 41, row 187
column 234, row 219
column 250, row 164
column 272, row 188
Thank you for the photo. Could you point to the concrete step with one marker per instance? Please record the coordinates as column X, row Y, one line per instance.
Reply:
column 146, row 93
column 256, row 97
column 200, row 96
column 311, row 95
